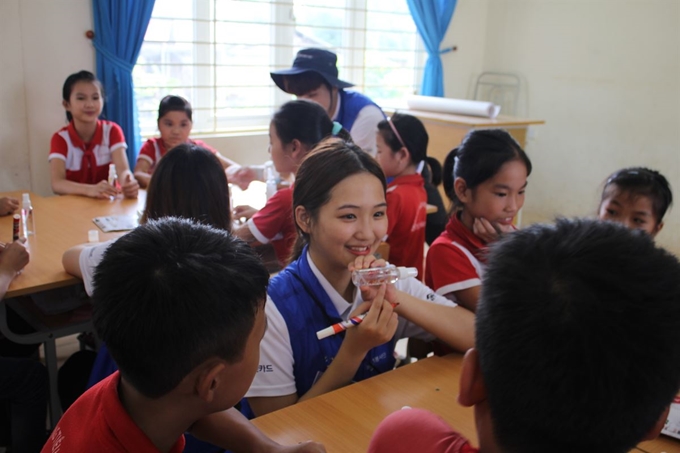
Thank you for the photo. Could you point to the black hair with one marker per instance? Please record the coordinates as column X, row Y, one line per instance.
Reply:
column 305, row 121
column 172, row 103
column 479, row 157
column 172, row 294
column 578, row 333
column 189, row 182
column 303, row 83
column 331, row 162
column 411, row 130
column 80, row 76
column 641, row 181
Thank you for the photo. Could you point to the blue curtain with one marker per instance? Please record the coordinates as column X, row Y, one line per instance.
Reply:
column 119, row 29
column 432, row 18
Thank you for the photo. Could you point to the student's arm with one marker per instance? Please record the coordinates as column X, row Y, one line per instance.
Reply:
column 453, row 325
column 13, row 258
column 128, row 183
column 225, row 161
column 242, row 176
column 232, row 431
column 141, row 173
column 467, row 298
column 62, row 186
column 378, row 327
column 243, row 232
column 81, row 261
column 71, row 260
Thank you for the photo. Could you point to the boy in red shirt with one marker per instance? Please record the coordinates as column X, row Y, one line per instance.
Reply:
column 180, row 307
column 577, row 347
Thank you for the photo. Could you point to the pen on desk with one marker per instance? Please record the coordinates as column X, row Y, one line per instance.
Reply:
column 342, row 326
column 15, row 227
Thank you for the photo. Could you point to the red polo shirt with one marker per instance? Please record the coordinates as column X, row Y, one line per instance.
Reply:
column 406, row 217
column 97, row 421
column 87, row 163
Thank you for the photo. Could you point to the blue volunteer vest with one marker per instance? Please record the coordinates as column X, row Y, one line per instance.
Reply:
column 351, row 103
column 306, row 308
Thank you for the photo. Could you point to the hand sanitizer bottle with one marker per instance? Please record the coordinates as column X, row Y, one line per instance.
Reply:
column 270, row 174
column 27, row 215
column 113, row 179
column 376, row 276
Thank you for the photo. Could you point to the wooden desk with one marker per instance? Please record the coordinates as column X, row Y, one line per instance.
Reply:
column 60, row 222
column 345, row 419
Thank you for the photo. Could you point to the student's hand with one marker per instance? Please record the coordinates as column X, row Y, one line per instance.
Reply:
column 370, row 292
column 241, row 176
column 302, row 447
column 130, row 186
column 490, row 231
column 8, row 205
column 244, row 211
column 378, row 327
column 14, row 258
column 102, row 190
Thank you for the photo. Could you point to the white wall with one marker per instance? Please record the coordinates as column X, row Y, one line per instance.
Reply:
column 14, row 157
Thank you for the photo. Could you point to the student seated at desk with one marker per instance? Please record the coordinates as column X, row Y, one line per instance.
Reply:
column 294, row 130
column 577, row 347
column 185, row 328
column 81, row 152
column 174, row 124
column 190, row 184
column 402, row 150
column 485, row 178
column 637, row 197
column 23, row 381
column 340, row 213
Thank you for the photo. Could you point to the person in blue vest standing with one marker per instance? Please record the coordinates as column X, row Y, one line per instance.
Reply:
column 314, row 76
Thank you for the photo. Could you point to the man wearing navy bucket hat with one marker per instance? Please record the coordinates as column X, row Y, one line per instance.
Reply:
column 314, row 76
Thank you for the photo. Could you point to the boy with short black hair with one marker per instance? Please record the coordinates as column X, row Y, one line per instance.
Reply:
column 314, row 76
column 181, row 308
column 577, row 347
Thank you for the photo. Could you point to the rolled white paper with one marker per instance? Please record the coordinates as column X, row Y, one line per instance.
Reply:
column 454, row 106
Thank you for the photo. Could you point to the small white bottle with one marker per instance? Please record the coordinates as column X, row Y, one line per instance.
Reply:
column 113, row 178
column 27, row 218
column 270, row 175
column 376, row 276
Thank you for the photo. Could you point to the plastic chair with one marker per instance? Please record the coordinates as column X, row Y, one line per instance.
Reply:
column 501, row 88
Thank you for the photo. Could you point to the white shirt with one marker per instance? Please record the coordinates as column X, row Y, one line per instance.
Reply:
column 365, row 126
column 89, row 258
column 275, row 373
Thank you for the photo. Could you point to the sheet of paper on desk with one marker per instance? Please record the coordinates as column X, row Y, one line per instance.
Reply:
column 116, row 223
column 672, row 427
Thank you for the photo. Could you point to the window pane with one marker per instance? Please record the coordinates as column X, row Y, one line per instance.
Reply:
column 218, row 54
column 243, row 11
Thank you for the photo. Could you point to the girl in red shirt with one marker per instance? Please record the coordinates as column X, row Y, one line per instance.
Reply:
column 174, row 124
column 485, row 178
column 81, row 152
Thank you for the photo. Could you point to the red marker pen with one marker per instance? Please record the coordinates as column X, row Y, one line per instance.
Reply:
column 15, row 227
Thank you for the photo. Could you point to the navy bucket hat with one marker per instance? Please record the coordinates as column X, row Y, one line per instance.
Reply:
column 320, row 61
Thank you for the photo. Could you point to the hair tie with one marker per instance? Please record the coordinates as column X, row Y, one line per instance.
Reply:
column 337, row 127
